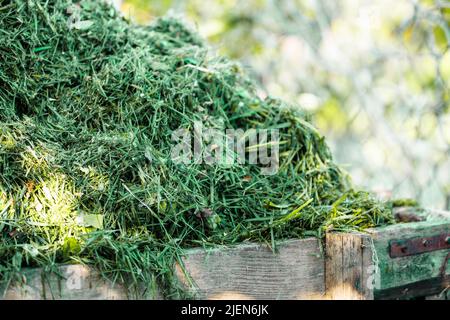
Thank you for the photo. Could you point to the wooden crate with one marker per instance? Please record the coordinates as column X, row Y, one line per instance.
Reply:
column 354, row 266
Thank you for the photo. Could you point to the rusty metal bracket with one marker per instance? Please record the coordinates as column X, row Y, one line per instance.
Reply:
column 409, row 247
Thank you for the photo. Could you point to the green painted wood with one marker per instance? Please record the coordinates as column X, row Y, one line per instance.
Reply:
column 398, row 272
column 372, row 272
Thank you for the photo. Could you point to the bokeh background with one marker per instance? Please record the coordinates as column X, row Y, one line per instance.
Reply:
column 374, row 74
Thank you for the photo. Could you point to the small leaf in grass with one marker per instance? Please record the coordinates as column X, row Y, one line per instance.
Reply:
column 90, row 220
column 71, row 247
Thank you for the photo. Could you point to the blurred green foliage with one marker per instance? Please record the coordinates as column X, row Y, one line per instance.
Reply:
column 374, row 74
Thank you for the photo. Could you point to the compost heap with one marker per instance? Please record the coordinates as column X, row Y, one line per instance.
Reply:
column 87, row 111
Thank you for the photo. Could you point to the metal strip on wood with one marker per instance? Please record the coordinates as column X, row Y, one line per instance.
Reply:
column 409, row 247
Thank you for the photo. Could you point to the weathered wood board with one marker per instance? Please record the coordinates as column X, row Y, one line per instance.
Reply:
column 74, row 282
column 249, row 271
column 253, row 271
column 348, row 272
column 360, row 266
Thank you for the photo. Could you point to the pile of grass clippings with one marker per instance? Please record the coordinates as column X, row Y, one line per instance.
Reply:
column 87, row 112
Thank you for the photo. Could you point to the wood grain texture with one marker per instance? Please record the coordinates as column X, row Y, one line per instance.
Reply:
column 253, row 271
column 334, row 264
column 370, row 278
column 352, row 261
column 349, row 273
column 74, row 282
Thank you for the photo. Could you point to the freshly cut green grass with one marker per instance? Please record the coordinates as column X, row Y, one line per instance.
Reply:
column 86, row 118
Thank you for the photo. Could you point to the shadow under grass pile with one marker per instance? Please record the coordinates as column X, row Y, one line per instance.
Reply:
column 87, row 113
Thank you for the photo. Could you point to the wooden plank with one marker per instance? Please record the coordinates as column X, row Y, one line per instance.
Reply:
column 434, row 214
column 76, row 282
column 334, row 265
column 352, row 271
column 414, row 214
column 369, row 268
column 348, row 274
column 253, row 271
column 398, row 272
column 423, row 288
